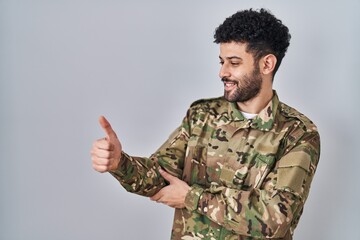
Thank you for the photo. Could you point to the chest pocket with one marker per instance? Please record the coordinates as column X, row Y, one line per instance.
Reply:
column 247, row 175
column 195, row 161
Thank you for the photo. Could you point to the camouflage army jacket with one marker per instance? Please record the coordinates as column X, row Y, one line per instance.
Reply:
column 249, row 179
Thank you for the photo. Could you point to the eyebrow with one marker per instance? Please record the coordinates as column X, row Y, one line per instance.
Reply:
column 232, row 57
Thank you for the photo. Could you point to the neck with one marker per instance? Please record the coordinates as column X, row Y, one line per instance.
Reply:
column 256, row 104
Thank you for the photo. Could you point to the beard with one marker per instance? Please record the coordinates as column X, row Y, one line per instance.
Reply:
column 250, row 87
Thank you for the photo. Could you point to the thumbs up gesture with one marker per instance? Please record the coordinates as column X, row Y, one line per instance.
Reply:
column 106, row 152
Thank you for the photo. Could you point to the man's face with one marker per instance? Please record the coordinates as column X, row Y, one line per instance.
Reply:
column 242, row 80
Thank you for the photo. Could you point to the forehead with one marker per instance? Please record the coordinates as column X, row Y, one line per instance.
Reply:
column 235, row 49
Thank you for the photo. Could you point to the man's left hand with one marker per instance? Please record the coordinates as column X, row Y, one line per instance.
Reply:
column 174, row 194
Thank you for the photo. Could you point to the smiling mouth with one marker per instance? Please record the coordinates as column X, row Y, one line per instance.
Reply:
column 229, row 84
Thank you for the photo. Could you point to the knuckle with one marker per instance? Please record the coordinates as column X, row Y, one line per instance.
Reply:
column 94, row 159
column 96, row 167
column 93, row 153
column 100, row 168
column 97, row 143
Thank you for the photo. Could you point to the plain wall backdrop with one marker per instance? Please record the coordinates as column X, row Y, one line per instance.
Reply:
column 141, row 64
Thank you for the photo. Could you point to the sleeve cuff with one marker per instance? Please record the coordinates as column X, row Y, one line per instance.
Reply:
column 192, row 197
column 121, row 169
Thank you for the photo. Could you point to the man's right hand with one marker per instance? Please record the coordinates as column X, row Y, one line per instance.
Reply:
column 106, row 152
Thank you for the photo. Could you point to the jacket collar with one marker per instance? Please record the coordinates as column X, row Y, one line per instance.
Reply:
column 264, row 121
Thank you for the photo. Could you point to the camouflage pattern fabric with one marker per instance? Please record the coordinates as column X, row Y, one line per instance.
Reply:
column 249, row 178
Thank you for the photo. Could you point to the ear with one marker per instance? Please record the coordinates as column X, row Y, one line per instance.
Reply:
column 267, row 65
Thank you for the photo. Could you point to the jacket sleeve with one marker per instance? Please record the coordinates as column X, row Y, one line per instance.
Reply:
column 141, row 175
column 269, row 210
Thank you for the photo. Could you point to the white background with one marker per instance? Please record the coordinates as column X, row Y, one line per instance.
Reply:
column 141, row 64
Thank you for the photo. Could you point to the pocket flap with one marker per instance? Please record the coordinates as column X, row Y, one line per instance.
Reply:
column 296, row 159
column 293, row 170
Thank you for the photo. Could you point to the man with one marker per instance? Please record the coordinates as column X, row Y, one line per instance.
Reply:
column 239, row 166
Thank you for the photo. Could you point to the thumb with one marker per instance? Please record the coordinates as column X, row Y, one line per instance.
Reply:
column 104, row 123
column 170, row 178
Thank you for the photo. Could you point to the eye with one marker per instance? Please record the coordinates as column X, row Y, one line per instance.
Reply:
column 221, row 63
column 235, row 64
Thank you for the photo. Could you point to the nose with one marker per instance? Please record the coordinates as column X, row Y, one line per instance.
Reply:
column 224, row 72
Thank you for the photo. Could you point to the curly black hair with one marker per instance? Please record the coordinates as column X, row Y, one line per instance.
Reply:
column 260, row 30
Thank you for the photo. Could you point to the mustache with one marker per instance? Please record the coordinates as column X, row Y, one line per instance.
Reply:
column 226, row 80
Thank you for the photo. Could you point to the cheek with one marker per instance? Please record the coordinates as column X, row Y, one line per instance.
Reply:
column 238, row 76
